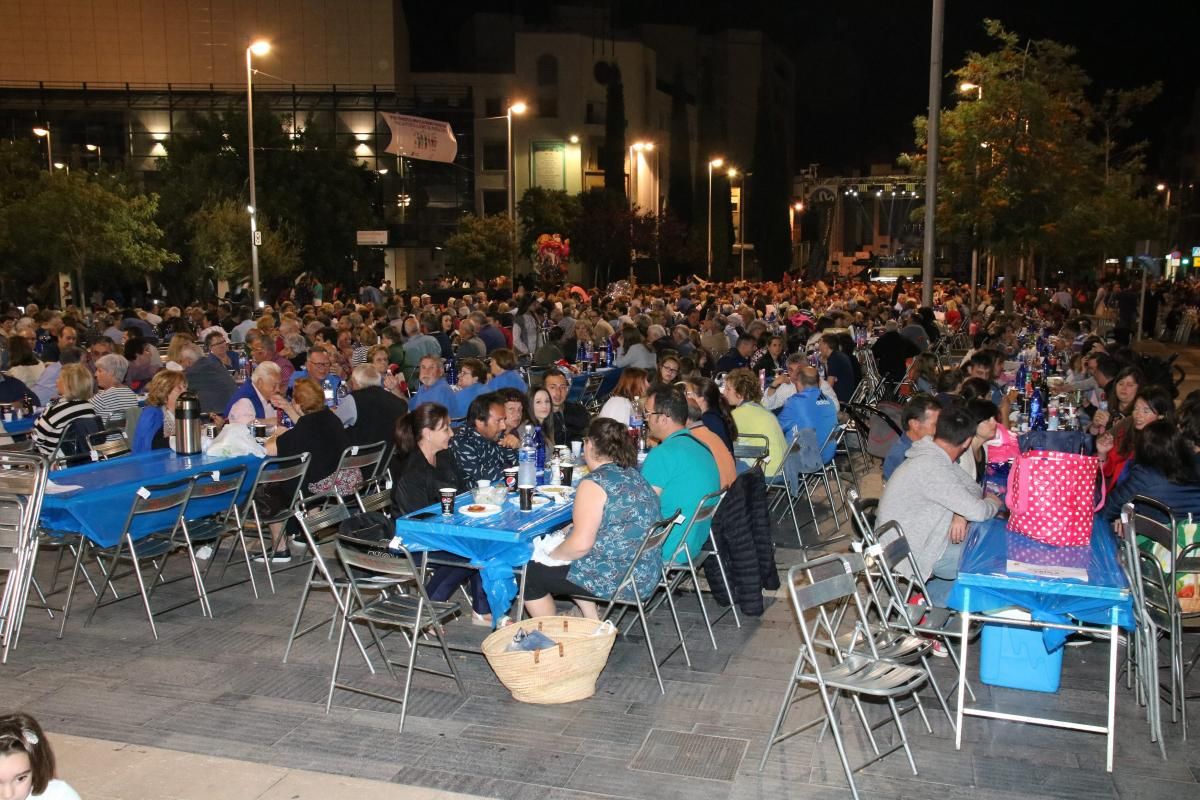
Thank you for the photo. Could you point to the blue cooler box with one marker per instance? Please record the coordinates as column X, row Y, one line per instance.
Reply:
column 1016, row 657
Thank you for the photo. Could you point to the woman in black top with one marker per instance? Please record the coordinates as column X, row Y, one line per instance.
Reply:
column 423, row 447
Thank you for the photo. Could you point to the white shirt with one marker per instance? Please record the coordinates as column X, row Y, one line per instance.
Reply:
column 56, row 790
column 617, row 408
column 775, row 401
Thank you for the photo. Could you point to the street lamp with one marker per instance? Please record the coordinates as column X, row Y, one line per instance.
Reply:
column 715, row 163
column 518, row 107
column 95, row 148
column 62, row 166
column 259, row 47
column 742, row 195
column 1162, row 187
column 45, row 132
column 966, row 87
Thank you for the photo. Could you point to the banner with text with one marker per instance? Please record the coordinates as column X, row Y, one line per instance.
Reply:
column 418, row 137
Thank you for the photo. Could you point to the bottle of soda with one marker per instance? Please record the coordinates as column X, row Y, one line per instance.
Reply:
column 1037, row 412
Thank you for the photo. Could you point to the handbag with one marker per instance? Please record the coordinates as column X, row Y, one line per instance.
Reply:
column 1051, row 497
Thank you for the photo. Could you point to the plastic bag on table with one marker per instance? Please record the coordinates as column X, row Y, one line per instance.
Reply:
column 235, row 440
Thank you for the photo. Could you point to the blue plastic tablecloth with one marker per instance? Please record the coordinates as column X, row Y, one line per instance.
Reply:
column 985, row 584
column 19, row 427
column 496, row 545
column 99, row 508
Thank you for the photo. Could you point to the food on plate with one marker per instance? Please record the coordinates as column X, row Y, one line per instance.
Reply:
column 476, row 509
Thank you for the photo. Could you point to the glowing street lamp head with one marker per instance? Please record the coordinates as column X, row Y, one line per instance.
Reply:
column 573, row 139
column 260, row 47
column 41, row 132
column 518, row 107
column 91, row 148
column 1162, row 187
column 717, row 163
column 967, row 86
column 59, row 165
column 798, row 206
column 648, row 145
column 733, row 173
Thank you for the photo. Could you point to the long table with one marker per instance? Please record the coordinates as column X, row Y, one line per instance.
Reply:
column 99, row 507
column 1058, row 605
column 496, row 545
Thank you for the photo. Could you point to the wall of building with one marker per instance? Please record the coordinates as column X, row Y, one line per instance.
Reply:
column 200, row 41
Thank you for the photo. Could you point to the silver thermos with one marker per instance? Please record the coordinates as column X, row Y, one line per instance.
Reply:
column 187, row 424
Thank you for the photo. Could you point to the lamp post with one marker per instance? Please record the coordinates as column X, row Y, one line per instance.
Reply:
column 259, row 47
column 966, row 87
column 715, row 163
column 45, row 133
column 516, row 108
column 933, row 126
column 95, row 148
column 64, row 167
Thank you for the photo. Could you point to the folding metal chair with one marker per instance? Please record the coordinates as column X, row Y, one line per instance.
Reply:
column 591, row 393
column 151, row 532
column 274, row 475
column 676, row 572
column 803, row 469
column 22, row 488
column 415, row 615
column 219, row 488
column 1141, row 652
column 109, row 443
column 852, row 672
column 72, row 448
column 628, row 595
column 367, row 459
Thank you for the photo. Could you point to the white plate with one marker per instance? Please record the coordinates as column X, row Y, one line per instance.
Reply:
column 488, row 510
column 538, row 502
column 555, row 491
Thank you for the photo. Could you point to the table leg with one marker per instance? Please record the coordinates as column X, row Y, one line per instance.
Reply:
column 1112, row 688
column 521, row 593
column 962, row 669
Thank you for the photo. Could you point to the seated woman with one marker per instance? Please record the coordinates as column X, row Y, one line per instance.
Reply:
column 541, row 409
column 743, row 392
column 614, row 507
column 74, row 388
column 23, row 362
column 156, row 423
column 1115, row 447
column 714, row 411
column 423, row 449
column 1163, row 469
column 974, row 458
column 668, row 370
column 633, row 383
column 174, row 348
column 1120, row 395
column 318, row 432
column 472, row 374
column 516, row 414
column 378, row 357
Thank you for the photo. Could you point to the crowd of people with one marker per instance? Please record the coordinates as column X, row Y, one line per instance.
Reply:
column 703, row 365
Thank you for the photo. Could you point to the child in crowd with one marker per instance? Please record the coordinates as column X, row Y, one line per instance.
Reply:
column 27, row 762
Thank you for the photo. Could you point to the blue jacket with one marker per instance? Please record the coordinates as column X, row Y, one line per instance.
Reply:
column 1183, row 499
column 811, row 409
column 463, row 398
column 895, row 456
column 247, row 391
column 439, row 393
column 149, row 426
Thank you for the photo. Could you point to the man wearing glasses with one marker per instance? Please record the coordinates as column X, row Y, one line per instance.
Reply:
column 318, row 368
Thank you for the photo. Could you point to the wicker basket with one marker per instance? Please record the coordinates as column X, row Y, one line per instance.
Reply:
column 1190, row 605
column 560, row 674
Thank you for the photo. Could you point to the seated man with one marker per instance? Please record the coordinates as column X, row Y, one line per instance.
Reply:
column 918, row 419
column 434, row 388
column 808, row 408
column 476, row 446
column 933, row 499
column 254, row 400
column 569, row 416
column 739, row 356
column 680, row 469
column 211, row 382
column 370, row 411
column 838, row 367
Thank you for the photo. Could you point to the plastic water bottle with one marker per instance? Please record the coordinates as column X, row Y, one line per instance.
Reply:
column 1037, row 412
column 451, row 372
column 608, row 353
column 341, row 393
column 539, row 442
column 327, row 386
column 527, row 459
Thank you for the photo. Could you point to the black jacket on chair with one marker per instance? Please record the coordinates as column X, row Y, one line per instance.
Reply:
column 742, row 528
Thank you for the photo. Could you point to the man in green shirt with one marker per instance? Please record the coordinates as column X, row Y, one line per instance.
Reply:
column 681, row 468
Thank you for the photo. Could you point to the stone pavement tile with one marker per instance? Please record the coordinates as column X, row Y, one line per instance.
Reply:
column 223, row 723
column 298, row 785
column 1017, row 775
column 470, row 784
column 690, row 754
column 610, row 776
column 549, row 720
column 529, row 764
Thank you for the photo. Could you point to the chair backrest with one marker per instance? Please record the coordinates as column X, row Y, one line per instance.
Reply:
column 322, row 516
column 1156, row 582
column 108, row 443
column 159, row 507
column 862, row 510
column 656, row 534
column 706, row 508
column 277, row 471
column 72, row 447
column 751, row 445
column 223, row 486
column 132, row 414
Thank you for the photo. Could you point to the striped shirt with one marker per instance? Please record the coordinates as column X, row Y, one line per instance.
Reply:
column 51, row 424
column 111, row 403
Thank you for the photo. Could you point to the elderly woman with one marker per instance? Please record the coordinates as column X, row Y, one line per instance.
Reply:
column 378, row 357
column 114, row 397
column 156, row 423
column 74, row 388
column 743, row 392
column 614, row 507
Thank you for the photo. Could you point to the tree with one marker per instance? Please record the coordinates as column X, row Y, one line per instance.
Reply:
column 765, row 205
column 603, row 235
column 1027, row 164
column 218, row 241
column 680, row 185
column 545, row 211
column 613, row 161
column 78, row 225
column 482, row 246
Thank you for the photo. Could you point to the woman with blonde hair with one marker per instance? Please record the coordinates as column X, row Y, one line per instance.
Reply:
column 156, row 423
column 175, row 349
column 74, row 389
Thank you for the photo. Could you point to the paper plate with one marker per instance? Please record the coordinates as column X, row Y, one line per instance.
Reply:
column 480, row 510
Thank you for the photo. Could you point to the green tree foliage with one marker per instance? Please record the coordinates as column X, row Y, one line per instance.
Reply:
column 680, row 186
column 481, row 247
column 309, row 185
column 603, row 235
column 218, row 233
column 613, row 162
column 1029, row 166
column 84, row 227
column 544, row 211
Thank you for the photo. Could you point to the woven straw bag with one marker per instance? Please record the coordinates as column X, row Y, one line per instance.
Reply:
column 559, row 674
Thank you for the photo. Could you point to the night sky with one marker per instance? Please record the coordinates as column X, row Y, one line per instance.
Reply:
column 863, row 65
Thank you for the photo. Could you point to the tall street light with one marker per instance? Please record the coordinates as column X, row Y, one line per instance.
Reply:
column 967, row 87
column 95, row 148
column 45, row 133
column 715, row 163
column 259, row 47
column 742, row 195
column 518, row 107
column 933, row 127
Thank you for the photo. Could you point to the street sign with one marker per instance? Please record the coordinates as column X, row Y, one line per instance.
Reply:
column 258, row 238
